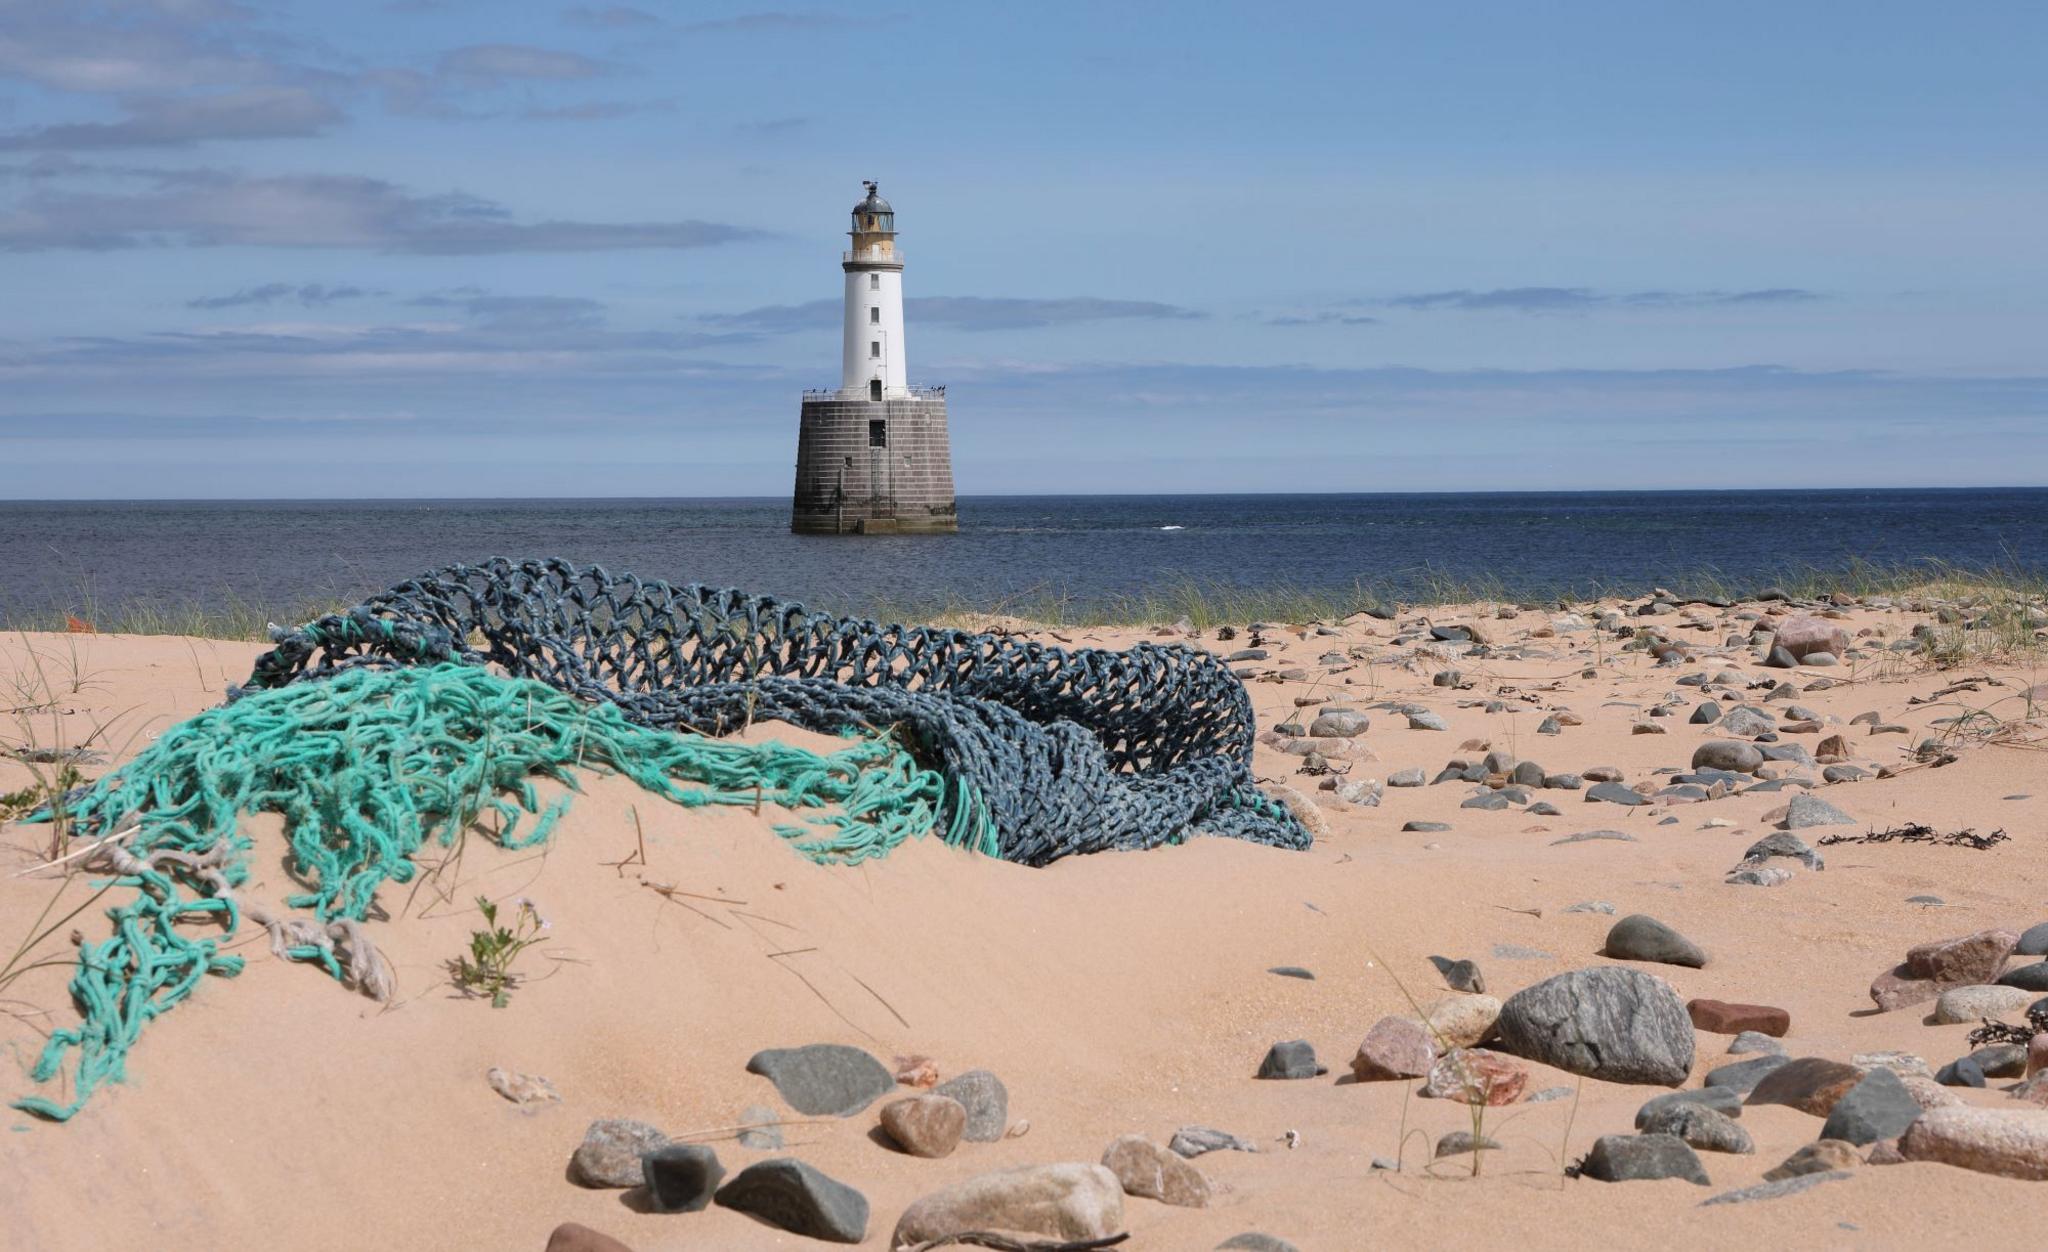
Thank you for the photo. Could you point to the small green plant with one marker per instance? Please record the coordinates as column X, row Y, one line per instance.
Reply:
column 487, row 970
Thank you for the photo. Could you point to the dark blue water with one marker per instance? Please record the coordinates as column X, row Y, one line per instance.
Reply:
column 60, row 555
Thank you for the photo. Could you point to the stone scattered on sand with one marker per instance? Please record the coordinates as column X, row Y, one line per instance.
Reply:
column 1254, row 1241
column 1589, row 836
column 1608, row 1022
column 1749, row 1042
column 1616, row 793
column 1290, row 1059
column 1144, row 1168
column 1805, row 636
column 1811, row 1084
column 1634, row 1158
column 2012, row 1143
column 1747, row 723
column 1974, row 1003
column 1776, row 1189
column 1476, row 1076
column 1640, row 937
column 1395, row 1047
column 1426, row 828
column 1193, row 1141
column 1462, row 975
column 525, row 1090
column 1068, row 1201
column 2033, row 941
column 1819, row 1157
column 824, row 1079
column 1932, row 968
column 917, row 1070
column 1463, row 1020
column 1961, row 1072
column 1743, row 1076
column 1463, row 1143
column 1292, row 971
column 1807, row 811
column 576, row 1237
column 928, row 1125
column 681, row 1177
column 1720, row 1017
column 1729, row 754
column 1339, row 724
column 2032, row 977
column 1904, row 1064
column 1699, row 1127
column 1720, row 1099
column 1784, row 843
column 1879, row 1107
column 610, row 1153
column 799, row 1198
column 1424, row 719
column 1305, row 810
column 986, row 1100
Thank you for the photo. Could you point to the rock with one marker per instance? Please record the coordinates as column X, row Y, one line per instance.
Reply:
column 1591, row 906
column 1932, row 968
column 1146, row 1169
column 1961, row 1072
column 1806, row 811
column 1720, row 1099
column 1476, row 1076
column 1608, row 1022
column 1699, row 1127
column 2029, row 977
column 1340, row 724
column 1810, row 1084
column 925, row 1125
column 1632, row 1158
column 2012, row 1143
column 1878, row 1107
column 1464, row 1143
column 1706, row 714
column 1423, row 719
column 1805, row 636
column 1773, row 1190
column 1749, row 1041
column 1616, row 793
column 1461, row 1021
column 1747, row 723
column 2033, row 941
column 1743, row 1076
column 611, row 1150
column 1722, row 1018
column 1305, row 810
column 1587, row 836
column 1975, row 1003
column 1072, row 1202
column 681, row 1177
column 1396, row 1047
column 1193, row 1141
column 1492, row 801
column 1729, row 754
column 1639, row 937
column 1904, row 1064
column 1781, row 659
column 799, row 1198
column 761, row 1128
column 1293, row 1058
column 824, row 1079
column 1411, row 777
column 1292, row 971
column 1253, row 1241
column 1426, row 828
column 986, row 1100
column 576, row 1237
column 1461, row 975
column 2001, row 1060
column 1365, row 793
column 1820, row 1157
column 1784, row 844
column 1528, row 774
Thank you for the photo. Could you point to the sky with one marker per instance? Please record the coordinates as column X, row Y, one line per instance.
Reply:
column 505, row 248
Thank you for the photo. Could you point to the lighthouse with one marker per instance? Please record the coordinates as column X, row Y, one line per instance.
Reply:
column 872, row 455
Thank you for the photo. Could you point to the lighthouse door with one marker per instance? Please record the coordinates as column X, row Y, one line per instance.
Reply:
column 883, row 502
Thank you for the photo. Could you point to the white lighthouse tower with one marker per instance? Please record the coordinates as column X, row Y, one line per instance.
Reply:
column 873, row 456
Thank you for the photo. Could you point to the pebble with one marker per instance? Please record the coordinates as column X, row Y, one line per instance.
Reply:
column 1819, row 1157
column 929, row 1125
column 610, row 1153
column 1426, row 720
column 1699, row 1127
column 824, row 1079
column 1961, row 1072
column 1973, row 1004
column 1616, row 793
column 1476, row 1076
column 1591, row 906
column 1807, row 811
column 1340, row 724
column 2001, row 1060
column 986, row 1100
column 1773, row 1190
column 1744, row 722
column 2012, row 1143
column 1193, row 1141
column 1460, row 975
column 576, row 1237
column 2033, row 941
column 1706, row 714
column 1292, row 971
column 1462, row 1020
column 1395, row 1047
column 1811, row 1084
column 1426, row 828
column 1143, row 1168
column 1254, row 1241
column 1723, row 1018
column 1067, row 1201
column 1759, row 876
column 1640, row 937
column 2029, row 977
column 1607, row 1022
column 1291, row 1059
column 1630, row 1158
column 800, row 1198
column 1743, row 1076
column 1878, row 1107
column 1728, row 754
column 1464, row 1143
column 1932, row 968
column 1784, row 844
column 1492, row 801
column 1720, row 1099
column 681, row 1177
column 1585, row 836
column 1410, row 777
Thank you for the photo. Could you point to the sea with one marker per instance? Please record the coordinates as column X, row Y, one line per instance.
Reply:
column 66, row 556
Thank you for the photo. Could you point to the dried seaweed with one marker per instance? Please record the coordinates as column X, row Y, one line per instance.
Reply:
column 1916, row 832
column 2000, row 1032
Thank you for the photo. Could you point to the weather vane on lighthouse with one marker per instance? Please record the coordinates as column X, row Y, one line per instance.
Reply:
column 873, row 456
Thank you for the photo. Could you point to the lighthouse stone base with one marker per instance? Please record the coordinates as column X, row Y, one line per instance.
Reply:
column 866, row 467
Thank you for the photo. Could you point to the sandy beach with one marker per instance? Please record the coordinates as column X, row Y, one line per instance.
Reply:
column 1114, row 994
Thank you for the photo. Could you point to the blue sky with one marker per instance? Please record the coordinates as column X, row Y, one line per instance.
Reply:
column 465, row 247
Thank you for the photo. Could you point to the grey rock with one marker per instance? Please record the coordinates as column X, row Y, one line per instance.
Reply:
column 1743, row 1076
column 1773, row 1190
column 1411, row 777
column 1292, row 971
column 761, row 1128
column 1591, row 906
column 1563, row 782
column 1426, row 720
column 1786, row 844
column 1744, row 722
column 680, row 1177
column 1720, row 1099
column 1759, row 876
column 1877, row 1108
column 2033, row 941
column 1728, row 754
column 1550, row 726
column 1607, row 1022
column 1844, row 773
column 1586, row 835
column 1631, row 1158
column 1527, row 774
column 824, row 1079
column 799, row 1198
column 1194, row 1141
column 1492, row 801
column 986, row 1100
column 610, row 1153
column 1806, row 811
column 1464, row 1143
column 1700, row 1127
column 1706, row 714
column 1749, row 1042
column 1616, row 793
column 1961, row 1072
column 2031, row 977
column 1254, row 1241
column 1548, row 1094
column 1426, row 828
column 1460, row 975
column 1639, row 937
column 1293, row 1058
column 1340, row 724
column 2001, row 1060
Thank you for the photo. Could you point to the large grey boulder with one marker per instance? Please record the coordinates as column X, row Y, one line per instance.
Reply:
column 1610, row 1023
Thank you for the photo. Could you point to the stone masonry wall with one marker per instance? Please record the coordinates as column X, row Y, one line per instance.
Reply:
column 844, row 484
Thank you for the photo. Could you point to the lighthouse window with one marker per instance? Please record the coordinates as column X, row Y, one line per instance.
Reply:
column 874, row 348
column 878, row 434
column 874, row 316
column 874, row 282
